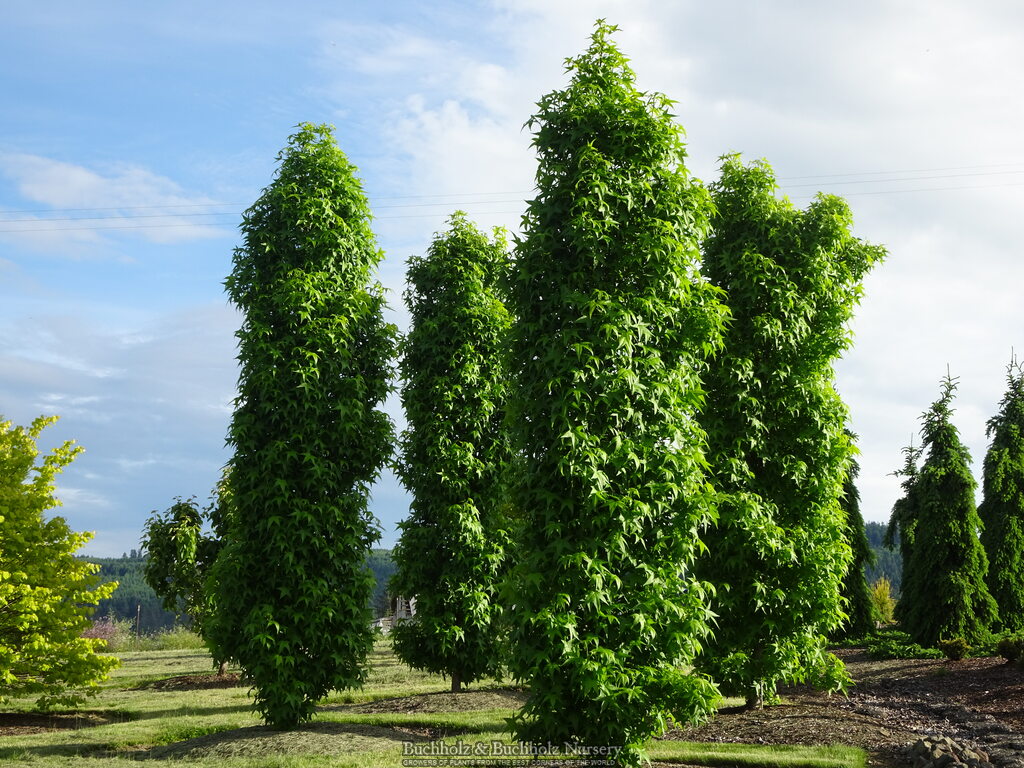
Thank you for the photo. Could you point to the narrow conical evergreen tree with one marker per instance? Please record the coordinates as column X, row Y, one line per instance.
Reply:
column 451, row 551
column 944, row 595
column 1002, row 510
column 905, row 512
column 776, row 431
column 613, row 328
column 308, row 433
column 859, row 607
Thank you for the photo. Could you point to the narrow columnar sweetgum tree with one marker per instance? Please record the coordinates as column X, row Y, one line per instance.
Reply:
column 860, row 608
column 776, row 431
column 451, row 550
column 1002, row 510
column 944, row 596
column 613, row 327
column 308, row 435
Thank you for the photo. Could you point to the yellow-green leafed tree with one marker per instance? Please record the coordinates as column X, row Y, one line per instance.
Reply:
column 46, row 594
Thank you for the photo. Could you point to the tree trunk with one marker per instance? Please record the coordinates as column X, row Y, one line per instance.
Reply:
column 456, row 682
column 222, row 669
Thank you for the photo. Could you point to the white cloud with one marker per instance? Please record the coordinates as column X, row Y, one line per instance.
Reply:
column 818, row 90
column 86, row 203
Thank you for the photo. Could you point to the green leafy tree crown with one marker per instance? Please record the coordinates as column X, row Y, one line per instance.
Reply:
column 944, row 595
column 775, row 428
column 309, row 438
column 46, row 594
column 451, row 550
column 1002, row 510
column 613, row 328
column 180, row 552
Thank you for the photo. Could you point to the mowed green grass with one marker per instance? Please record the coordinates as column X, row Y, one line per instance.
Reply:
column 132, row 719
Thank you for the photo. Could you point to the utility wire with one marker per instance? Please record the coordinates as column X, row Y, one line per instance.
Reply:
column 504, row 201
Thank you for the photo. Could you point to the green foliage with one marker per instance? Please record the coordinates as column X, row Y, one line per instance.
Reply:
column 894, row 644
column 884, row 606
column 292, row 586
column 860, row 607
column 776, row 431
column 46, row 593
column 179, row 554
column 944, row 593
column 906, row 512
column 886, row 561
column 134, row 598
column 955, row 648
column 1011, row 648
column 1002, row 510
column 382, row 566
column 613, row 329
column 451, row 549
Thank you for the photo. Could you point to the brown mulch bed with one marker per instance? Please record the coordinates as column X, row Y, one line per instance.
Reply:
column 893, row 703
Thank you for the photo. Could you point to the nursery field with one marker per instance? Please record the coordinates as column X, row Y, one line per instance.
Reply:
column 168, row 706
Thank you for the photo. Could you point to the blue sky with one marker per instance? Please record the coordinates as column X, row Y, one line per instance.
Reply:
column 133, row 135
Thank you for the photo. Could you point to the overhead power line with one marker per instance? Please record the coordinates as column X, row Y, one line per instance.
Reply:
column 501, row 198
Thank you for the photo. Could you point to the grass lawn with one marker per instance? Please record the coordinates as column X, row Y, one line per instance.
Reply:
column 134, row 717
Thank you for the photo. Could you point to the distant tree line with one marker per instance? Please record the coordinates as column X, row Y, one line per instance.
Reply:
column 135, row 597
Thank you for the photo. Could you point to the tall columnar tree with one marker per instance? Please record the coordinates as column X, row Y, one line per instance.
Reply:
column 776, row 430
column 308, row 435
column 613, row 328
column 450, row 554
column 46, row 593
column 860, row 608
column 944, row 594
column 1002, row 510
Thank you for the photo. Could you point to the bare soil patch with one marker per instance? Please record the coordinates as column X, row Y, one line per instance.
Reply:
column 893, row 703
column 193, row 682
column 24, row 723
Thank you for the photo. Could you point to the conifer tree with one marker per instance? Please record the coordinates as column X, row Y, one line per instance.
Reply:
column 451, row 550
column 776, row 431
column 1002, row 510
column 308, row 435
column 613, row 327
column 904, row 516
column 860, row 608
column 944, row 594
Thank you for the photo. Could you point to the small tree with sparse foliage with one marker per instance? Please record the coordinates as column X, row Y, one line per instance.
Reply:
column 308, row 434
column 46, row 594
column 613, row 328
column 180, row 549
column 451, row 551
column 944, row 595
column 1002, row 510
column 776, row 431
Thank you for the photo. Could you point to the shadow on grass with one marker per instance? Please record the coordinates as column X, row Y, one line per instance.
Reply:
column 317, row 738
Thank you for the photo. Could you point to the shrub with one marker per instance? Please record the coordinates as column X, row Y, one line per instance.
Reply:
column 1011, row 648
column 119, row 636
column 881, row 597
column 893, row 644
column 116, row 633
column 955, row 648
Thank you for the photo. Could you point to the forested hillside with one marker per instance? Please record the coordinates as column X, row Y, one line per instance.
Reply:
column 887, row 561
column 134, row 597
